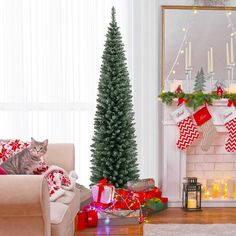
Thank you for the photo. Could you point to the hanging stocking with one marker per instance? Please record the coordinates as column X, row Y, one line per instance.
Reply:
column 204, row 120
column 188, row 131
column 229, row 119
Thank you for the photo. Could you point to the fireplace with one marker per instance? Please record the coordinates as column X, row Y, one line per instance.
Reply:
column 215, row 169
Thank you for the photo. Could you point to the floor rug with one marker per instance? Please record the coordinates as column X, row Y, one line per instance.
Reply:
column 189, row 229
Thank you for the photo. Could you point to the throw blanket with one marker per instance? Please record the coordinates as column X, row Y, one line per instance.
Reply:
column 58, row 179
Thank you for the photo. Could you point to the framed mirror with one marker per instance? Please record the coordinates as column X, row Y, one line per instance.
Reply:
column 196, row 41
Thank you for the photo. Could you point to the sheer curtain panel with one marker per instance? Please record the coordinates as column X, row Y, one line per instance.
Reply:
column 49, row 68
column 50, row 58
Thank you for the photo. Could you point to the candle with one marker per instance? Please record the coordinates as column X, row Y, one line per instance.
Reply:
column 232, row 88
column 231, row 184
column 211, row 59
column 186, row 58
column 221, row 190
column 215, row 190
column 232, row 50
column 208, row 62
column 227, row 54
column 190, row 54
column 192, row 203
column 209, row 184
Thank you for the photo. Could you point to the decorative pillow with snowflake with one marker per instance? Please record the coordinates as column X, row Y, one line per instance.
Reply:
column 8, row 148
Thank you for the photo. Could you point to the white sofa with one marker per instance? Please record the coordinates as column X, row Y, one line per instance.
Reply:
column 25, row 209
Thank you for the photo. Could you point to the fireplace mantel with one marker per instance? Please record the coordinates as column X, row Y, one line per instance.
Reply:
column 174, row 160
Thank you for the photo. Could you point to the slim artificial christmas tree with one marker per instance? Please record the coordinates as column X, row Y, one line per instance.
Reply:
column 199, row 82
column 114, row 149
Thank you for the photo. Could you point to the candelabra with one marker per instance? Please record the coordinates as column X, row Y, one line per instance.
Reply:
column 230, row 73
column 188, row 73
column 211, row 76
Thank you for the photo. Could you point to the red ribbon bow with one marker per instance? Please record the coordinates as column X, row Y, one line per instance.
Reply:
column 101, row 185
column 103, row 181
column 181, row 100
column 230, row 103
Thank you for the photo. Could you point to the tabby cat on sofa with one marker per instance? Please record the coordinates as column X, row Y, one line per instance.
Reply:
column 27, row 160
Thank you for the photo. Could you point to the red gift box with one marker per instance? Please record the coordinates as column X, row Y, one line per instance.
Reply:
column 126, row 199
column 81, row 220
column 87, row 218
column 92, row 218
column 164, row 199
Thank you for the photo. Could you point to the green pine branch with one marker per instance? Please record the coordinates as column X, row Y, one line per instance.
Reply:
column 194, row 100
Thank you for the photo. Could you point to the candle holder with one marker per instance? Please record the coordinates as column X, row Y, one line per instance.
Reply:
column 211, row 77
column 191, row 194
column 230, row 73
column 188, row 73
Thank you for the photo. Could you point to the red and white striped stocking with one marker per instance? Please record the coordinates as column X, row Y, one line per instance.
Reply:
column 229, row 118
column 188, row 131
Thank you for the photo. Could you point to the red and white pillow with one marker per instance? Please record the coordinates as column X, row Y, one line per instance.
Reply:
column 10, row 147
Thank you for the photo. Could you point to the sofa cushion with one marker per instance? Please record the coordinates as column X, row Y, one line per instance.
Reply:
column 66, row 198
column 57, row 212
column 66, row 227
column 85, row 195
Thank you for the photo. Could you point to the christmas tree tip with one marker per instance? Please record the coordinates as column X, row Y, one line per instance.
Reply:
column 113, row 12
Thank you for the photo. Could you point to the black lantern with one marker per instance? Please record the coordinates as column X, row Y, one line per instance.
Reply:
column 191, row 194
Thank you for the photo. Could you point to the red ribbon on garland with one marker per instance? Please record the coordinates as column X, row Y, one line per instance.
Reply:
column 181, row 100
column 230, row 103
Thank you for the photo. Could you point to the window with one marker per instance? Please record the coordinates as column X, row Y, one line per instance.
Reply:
column 50, row 57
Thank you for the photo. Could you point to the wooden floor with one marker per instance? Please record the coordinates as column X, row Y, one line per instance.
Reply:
column 169, row 216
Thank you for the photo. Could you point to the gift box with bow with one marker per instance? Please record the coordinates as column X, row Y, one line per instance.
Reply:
column 103, row 192
column 141, row 185
column 154, row 205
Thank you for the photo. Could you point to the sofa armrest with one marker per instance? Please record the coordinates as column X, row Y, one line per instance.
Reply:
column 61, row 154
column 24, row 202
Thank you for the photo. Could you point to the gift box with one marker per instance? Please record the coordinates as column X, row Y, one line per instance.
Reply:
column 141, row 185
column 126, row 199
column 103, row 192
column 119, row 217
column 86, row 218
column 154, row 205
column 81, row 220
column 92, row 218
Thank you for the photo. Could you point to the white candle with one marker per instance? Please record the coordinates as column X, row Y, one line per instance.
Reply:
column 227, row 54
column 209, row 185
column 231, row 183
column 232, row 88
column 232, row 50
column 186, row 58
column 192, row 203
column 211, row 59
column 221, row 190
column 190, row 54
column 208, row 61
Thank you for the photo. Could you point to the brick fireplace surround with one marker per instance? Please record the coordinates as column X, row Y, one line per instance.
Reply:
column 216, row 163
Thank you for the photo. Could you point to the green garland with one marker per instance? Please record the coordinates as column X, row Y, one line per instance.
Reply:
column 194, row 100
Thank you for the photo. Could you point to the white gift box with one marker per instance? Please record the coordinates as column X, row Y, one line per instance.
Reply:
column 106, row 195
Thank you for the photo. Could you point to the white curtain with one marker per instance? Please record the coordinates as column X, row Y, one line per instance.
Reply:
column 50, row 58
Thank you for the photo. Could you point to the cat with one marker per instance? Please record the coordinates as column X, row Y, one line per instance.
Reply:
column 25, row 161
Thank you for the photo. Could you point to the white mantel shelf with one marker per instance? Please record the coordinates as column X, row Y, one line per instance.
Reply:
column 174, row 160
